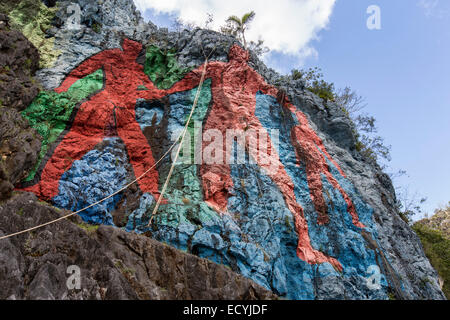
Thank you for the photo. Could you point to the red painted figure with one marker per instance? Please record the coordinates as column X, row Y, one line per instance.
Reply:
column 234, row 88
column 123, row 75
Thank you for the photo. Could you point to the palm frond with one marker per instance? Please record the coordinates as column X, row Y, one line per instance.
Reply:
column 248, row 17
column 234, row 19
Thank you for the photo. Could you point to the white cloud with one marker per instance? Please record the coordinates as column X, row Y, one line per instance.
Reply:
column 428, row 5
column 435, row 8
column 286, row 26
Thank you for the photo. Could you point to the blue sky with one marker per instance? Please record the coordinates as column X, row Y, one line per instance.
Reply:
column 402, row 70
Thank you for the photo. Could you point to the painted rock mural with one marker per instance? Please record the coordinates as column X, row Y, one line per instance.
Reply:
column 218, row 211
column 302, row 216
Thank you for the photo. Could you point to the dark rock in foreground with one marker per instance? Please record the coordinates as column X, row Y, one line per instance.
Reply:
column 114, row 264
column 19, row 144
column 19, row 60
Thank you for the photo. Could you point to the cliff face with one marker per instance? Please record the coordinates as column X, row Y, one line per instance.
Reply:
column 320, row 223
column 439, row 221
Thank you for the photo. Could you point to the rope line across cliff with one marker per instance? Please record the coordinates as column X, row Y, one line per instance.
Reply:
column 197, row 95
column 181, row 136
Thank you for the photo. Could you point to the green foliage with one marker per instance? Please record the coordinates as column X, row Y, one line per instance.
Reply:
column 162, row 67
column 287, row 224
column 437, row 249
column 371, row 147
column 404, row 216
column 7, row 6
column 369, row 144
column 323, row 90
column 315, row 82
column 391, row 296
column 439, row 220
column 128, row 272
column 50, row 112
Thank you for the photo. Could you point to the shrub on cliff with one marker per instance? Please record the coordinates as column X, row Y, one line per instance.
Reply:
column 50, row 112
column 437, row 249
column 315, row 83
column 369, row 144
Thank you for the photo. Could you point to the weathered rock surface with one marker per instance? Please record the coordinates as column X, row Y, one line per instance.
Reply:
column 19, row 144
column 33, row 19
column 114, row 264
column 159, row 271
column 19, row 60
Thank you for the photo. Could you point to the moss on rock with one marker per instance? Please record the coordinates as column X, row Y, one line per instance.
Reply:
column 33, row 18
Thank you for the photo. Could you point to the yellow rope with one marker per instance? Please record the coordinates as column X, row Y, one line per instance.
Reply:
column 197, row 95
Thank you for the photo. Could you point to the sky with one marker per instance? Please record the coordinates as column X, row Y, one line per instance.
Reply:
column 402, row 69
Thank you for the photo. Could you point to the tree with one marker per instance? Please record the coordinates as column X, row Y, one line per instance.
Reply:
column 369, row 144
column 258, row 47
column 353, row 102
column 179, row 25
column 209, row 20
column 409, row 204
column 237, row 26
column 315, row 83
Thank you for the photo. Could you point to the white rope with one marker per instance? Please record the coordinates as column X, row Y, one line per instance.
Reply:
column 197, row 95
column 94, row 204
column 131, row 183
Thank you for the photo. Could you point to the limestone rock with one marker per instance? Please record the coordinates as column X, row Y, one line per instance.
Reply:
column 19, row 60
column 114, row 264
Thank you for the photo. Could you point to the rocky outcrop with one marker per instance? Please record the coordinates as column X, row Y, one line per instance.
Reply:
column 321, row 225
column 113, row 264
column 19, row 144
column 19, row 60
column 34, row 266
column 159, row 271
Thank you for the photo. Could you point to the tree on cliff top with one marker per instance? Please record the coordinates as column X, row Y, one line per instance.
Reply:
column 237, row 26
